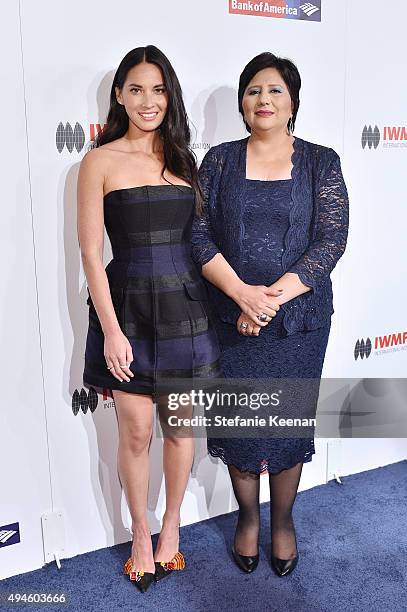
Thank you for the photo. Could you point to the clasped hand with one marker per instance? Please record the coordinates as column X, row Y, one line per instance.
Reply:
column 255, row 301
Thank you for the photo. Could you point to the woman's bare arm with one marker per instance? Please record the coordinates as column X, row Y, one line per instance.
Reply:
column 221, row 274
column 117, row 349
column 90, row 234
column 291, row 285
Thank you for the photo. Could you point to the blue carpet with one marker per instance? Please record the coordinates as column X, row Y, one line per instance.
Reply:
column 353, row 557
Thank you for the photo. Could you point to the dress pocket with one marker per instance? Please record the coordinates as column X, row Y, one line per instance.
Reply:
column 196, row 291
column 185, row 303
column 198, row 305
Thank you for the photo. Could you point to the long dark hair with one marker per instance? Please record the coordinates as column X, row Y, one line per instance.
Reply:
column 289, row 73
column 174, row 130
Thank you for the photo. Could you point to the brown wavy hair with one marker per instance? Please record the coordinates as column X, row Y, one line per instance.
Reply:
column 174, row 130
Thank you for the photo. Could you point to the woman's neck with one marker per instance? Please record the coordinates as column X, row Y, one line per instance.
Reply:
column 146, row 142
column 269, row 142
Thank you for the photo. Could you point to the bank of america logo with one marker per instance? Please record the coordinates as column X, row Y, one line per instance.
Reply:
column 370, row 137
column 281, row 9
column 363, row 348
column 69, row 137
column 6, row 534
column 84, row 401
column 308, row 8
column 9, row 534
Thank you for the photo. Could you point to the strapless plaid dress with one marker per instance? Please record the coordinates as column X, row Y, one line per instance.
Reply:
column 159, row 298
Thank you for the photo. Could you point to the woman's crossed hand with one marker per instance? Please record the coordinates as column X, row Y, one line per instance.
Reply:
column 258, row 307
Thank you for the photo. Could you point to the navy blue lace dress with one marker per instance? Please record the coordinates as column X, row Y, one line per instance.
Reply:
column 272, row 354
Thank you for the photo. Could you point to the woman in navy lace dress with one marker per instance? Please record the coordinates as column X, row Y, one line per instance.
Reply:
column 274, row 226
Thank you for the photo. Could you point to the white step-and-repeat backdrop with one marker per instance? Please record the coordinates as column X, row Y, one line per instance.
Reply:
column 58, row 453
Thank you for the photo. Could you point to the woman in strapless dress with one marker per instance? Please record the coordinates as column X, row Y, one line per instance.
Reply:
column 149, row 317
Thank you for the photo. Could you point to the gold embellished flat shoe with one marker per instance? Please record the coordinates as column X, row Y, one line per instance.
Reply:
column 141, row 579
column 164, row 568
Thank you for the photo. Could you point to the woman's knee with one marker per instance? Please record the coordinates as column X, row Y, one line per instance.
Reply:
column 179, row 437
column 135, row 417
column 137, row 438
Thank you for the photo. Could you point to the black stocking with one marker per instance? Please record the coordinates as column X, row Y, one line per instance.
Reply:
column 283, row 491
column 246, row 487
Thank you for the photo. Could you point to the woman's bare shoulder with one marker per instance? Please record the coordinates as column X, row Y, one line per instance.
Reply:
column 99, row 158
column 94, row 166
column 114, row 146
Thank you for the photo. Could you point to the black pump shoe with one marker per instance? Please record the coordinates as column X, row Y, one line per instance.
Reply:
column 283, row 567
column 163, row 569
column 246, row 563
column 142, row 580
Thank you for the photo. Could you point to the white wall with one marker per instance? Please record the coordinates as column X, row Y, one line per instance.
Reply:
column 24, row 447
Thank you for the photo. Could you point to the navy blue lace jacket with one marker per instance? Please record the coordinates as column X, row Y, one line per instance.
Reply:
column 314, row 242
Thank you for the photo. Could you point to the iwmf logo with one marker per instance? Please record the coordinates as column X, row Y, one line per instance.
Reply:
column 85, row 401
column 370, row 137
column 362, row 348
column 74, row 138
column 391, row 136
column 388, row 343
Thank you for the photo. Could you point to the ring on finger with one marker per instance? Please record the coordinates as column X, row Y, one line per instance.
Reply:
column 243, row 325
column 262, row 316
